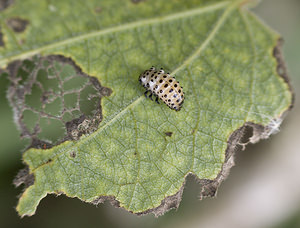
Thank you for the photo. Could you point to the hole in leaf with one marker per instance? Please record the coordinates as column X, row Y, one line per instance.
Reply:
column 30, row 119
column 17, row 24
column 51, row 129
column 54, row 100
column 247, row 134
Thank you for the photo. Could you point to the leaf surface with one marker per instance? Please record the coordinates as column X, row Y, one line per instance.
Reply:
column 141, row 153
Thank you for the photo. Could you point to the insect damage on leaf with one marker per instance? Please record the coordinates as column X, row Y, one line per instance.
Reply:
column 24, row 177
column 52, row 92
column 281, row 68
column 17, row 24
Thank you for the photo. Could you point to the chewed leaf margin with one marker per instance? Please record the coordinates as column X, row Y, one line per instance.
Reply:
column 20, row 88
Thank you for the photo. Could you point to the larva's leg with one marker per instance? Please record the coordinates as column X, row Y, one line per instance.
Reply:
column 146, row 94
column 150, row 96
column 156, row 100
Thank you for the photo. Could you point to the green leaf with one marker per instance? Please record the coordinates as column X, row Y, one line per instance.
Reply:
column 142, row 152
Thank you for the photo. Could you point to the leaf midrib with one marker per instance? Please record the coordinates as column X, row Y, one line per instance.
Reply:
column 123, row 27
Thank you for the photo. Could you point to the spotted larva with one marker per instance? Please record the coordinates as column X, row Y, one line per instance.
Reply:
column 164, row 86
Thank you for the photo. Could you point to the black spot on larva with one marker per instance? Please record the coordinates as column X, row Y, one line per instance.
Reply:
column 165, row 76
column 147, row 73
column 170, row 80
column 156, row 86
column 175, row 85
column 179, row 91
column 175, row 95
column 160, row 91
column 169, row 100
column 148, row 85
column 166, row 85
column 165, row 95
column 155, row 77
column 17, row 24
column 178, row 100
column 171, row 90
column 151, row 80
column 160, row 81
column 144, row 76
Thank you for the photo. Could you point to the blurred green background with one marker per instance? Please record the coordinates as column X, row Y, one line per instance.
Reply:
column 263, row 189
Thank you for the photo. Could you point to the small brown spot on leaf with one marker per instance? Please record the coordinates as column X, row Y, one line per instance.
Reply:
column 1, row 38
column 17, row 24
column 137, row 1
column 106, row 91
column 21, row 41
column 98, row 9
column 73, row 154
column 49, row 160
column 169, row 133
column 5, row 3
